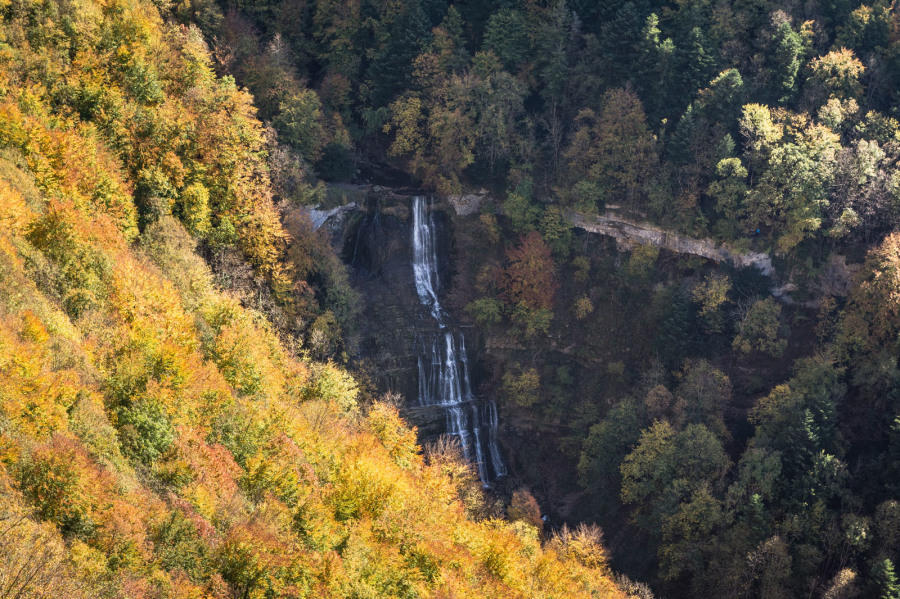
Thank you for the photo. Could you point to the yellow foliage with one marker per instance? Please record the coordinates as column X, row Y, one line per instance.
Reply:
column 397, row 438
column 33, row 398
column 281, row 488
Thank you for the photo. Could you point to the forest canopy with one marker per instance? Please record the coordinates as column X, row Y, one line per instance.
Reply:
column 185, row 410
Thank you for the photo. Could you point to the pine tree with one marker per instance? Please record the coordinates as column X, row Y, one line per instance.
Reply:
column 788, row 49
column 391, row 69
column 884, row 584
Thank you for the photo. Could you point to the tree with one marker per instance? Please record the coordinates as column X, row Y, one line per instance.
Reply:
column 884, row 584
column 759, row 329
column 655, row 69
column 695, row 65
column 619, row 38
column 704, row 392
column 529, row 278
column 867, row 30
column 872, row 321
column 787, row 58
column 836, row 74
column 614, row 149
column 299, row 124
column 793, row 168
column 522, row 388
column 604, row 448
column 666, row 469
column 556, row 231
column 507, row 37
column 523, row 506
column 799, row 421
column 450, row 44
column 498, row 102
column 518, row 207
column 391, row 65
column 711, row 294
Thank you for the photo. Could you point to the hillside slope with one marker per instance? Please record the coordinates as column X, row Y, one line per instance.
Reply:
column 157, row 437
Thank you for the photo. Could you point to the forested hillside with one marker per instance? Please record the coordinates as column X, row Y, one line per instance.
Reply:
column 171, row 421
column 736, row 434
column 178, row 415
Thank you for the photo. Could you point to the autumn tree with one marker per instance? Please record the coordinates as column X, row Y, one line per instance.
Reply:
column 792, row 166
column 614, row 149
column 759, row 328
column 529, row 275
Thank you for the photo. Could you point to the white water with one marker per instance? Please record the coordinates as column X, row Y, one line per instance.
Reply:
column 444, row 365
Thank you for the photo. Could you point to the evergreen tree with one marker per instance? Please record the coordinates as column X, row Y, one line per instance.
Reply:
column 884, row 583
column 391, row 69
column 787, row 58
column 507, row 37
column 620, row 38
column 696, row 65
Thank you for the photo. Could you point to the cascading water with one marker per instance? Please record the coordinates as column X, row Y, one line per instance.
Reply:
column 444, row 365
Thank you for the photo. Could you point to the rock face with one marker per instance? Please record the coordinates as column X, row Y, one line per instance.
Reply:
column 333, row 217
column 378, row 250
column 468, row 204
column 630, row 232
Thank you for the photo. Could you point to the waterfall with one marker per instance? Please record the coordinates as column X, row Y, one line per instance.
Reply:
column 444, row 378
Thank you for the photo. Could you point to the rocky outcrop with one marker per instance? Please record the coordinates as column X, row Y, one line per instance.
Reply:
column 629, row 233
column 334, row 217
column 470, row 203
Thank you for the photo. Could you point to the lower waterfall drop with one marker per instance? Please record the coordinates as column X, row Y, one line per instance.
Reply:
column 444, row 378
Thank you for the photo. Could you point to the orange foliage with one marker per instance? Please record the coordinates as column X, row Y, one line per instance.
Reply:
column 529, row 278
column 286, row 490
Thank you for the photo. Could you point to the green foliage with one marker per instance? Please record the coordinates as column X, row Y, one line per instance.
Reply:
column 614, row 149
column 507, row 37
column 299, row 124
column 884, row 581
column 730, row 188
column 178, row 546
column 759, row 329
column 79, row 271
column 712, row 294
column 531, row 322
column 145, row 431
column 521, row 387
column 337, row 163
column 556, row 231
column 583, row 307
column 487, row 311
column 787, row 56
column 333, row 385
column 607, row 444
column 641, row 263
column 704, row 392
column 667, row 469
column 522, row 213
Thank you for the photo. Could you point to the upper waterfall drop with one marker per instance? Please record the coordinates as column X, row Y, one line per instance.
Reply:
column 425, row 258
column 443, row 364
